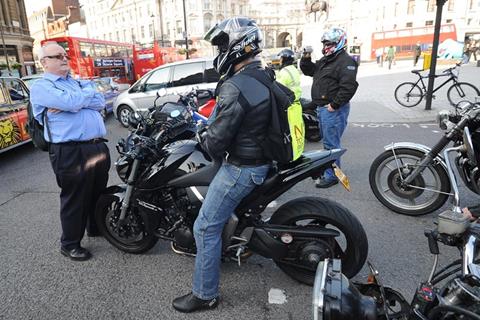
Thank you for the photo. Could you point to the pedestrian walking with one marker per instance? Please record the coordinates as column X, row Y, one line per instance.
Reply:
column 390, row 56
column 417, row 52
column 79, row 156
column 229, row 138
column 334, row 84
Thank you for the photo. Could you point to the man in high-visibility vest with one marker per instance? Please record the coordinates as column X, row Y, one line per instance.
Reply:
column 289, row 75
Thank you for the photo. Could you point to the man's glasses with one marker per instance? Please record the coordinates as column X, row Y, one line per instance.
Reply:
column 58, row 56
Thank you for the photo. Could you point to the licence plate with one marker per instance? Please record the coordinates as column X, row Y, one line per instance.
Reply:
column 342, row 177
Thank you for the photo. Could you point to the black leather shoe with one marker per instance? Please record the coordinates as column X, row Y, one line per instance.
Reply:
column 77, row 254
column 190, row 303
column 322, row 183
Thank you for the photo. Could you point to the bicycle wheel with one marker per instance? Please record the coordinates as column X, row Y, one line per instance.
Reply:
column 462, row 91
column 408, row 94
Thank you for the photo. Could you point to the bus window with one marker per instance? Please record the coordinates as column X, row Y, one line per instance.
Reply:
column 86, row 49
column 100, row 50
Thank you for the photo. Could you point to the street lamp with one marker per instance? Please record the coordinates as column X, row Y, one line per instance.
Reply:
column 186, row 33
column 153, row 26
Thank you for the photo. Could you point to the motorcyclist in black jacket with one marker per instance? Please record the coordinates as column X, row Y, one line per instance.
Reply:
column 242, row 112
column 334, row 84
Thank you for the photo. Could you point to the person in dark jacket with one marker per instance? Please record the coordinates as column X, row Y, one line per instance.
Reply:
column 229, row 139
column 334, row 84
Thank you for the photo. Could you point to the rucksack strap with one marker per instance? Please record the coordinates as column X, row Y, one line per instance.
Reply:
column 44, row 113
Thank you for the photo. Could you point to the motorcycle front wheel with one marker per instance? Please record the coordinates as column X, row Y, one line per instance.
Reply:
column 351, row 247
column 129, row 236
column 425, row 194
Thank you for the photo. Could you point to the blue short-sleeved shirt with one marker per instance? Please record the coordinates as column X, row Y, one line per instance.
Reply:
column 79, row 102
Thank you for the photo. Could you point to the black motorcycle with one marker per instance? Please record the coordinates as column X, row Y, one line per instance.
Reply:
column 412, row 179
column 312, row 130
column 166, row 175
column 450, row 293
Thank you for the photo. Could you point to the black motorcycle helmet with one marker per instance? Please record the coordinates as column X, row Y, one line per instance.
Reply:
column 287, row 57
column 237, row 39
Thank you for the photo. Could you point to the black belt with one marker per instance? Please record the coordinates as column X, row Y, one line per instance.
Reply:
column 91, row 141
column 239, row 162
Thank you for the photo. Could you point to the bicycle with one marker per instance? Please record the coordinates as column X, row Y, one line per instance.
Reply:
column 409, row 94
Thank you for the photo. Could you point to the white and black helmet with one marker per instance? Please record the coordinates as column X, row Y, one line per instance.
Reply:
column 237, row 39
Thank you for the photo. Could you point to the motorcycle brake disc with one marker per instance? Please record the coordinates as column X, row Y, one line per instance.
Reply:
column 395, row 185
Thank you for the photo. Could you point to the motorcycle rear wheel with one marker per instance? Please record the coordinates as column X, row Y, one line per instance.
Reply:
column 318, row 211
column 385, row 182
column 132, row 237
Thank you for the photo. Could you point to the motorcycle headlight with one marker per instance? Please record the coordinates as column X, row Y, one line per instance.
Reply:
column 443, row 119
column 335, row 298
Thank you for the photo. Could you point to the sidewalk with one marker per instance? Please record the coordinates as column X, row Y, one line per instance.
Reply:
column 375, row 102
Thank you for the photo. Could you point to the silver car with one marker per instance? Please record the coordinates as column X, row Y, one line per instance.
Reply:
column 175, row 77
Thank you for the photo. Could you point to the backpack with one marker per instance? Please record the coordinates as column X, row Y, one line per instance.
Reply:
column 36, row 130
column 285, row 140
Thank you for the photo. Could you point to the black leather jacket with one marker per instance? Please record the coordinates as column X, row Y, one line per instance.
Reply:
column 234, row 124
column 334, row 79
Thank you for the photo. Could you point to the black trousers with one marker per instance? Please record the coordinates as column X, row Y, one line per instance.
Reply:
column 82, row 174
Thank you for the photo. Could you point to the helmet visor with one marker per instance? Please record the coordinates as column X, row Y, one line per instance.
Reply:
column 217, row 37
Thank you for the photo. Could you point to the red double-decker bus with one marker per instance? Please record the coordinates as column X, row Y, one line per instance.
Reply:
column 404, row 40
column 98, row 58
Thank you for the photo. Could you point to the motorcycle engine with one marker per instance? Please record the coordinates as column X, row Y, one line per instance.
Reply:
column 335, row 298
column 463, row 292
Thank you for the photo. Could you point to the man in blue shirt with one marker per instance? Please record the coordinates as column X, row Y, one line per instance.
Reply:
column 79, row 156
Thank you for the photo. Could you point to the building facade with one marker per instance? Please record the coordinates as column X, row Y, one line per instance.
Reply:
column 59, row 18
column 362, row 18
column 16, row 43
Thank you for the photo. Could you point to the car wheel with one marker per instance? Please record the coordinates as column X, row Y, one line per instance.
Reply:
column 124, row 113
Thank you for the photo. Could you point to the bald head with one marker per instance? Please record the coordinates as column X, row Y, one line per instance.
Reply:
column 54, row 59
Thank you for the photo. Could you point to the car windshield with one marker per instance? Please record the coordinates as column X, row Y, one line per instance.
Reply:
column 101, row 85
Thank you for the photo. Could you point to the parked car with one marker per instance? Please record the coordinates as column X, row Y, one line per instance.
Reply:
column 109, row 93
column 29, row 80
column 14, row 97
column 175, row 77
column 112, row 81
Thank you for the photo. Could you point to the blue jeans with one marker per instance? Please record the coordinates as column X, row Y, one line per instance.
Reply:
column 230, row 185
column 332, row 125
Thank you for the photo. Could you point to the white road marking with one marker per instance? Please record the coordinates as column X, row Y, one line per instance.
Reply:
column 276, row 296
column 392, row 125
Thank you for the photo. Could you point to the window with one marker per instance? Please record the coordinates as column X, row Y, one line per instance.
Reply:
column 16, row 90
column 409, row 24
column 150, row 30
column 207, row 22
column 158, row 79
column 431, row 5
column 429, row 23
column 449, row 21
column 211, row 75
column 142, row 32
column 451, row 5
column 411, row 6
column 187, row 74
column 118, row 35
column 86, row 49
column 2, row 100
column 206, row 5
column 100, row 50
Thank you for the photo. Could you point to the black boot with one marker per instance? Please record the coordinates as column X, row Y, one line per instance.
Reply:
column 190, row 303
